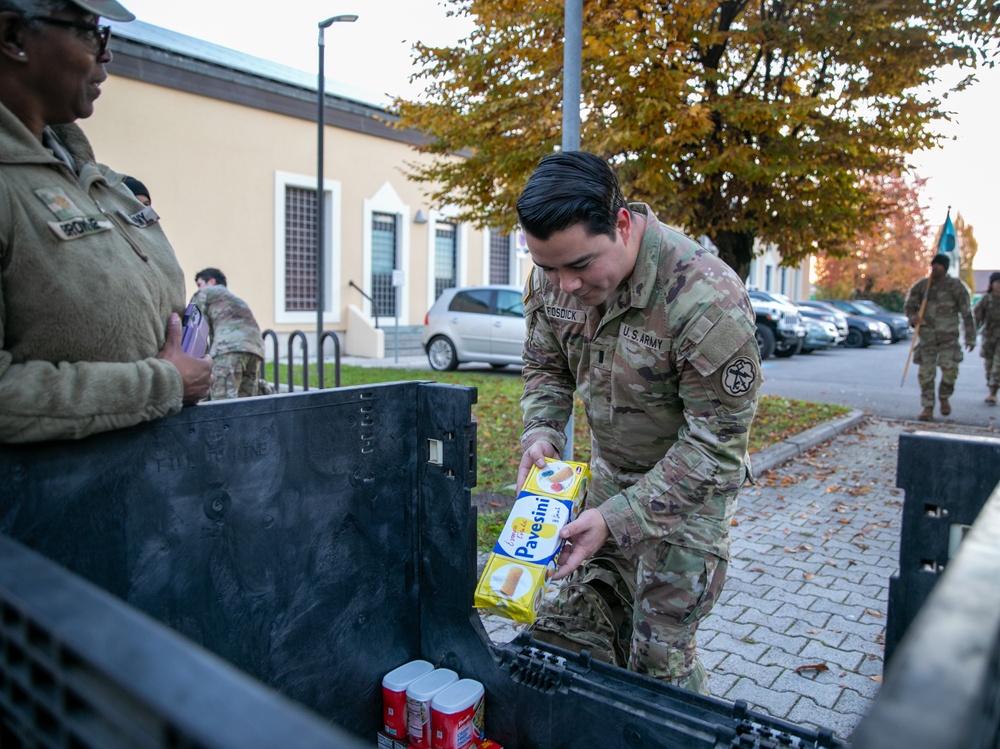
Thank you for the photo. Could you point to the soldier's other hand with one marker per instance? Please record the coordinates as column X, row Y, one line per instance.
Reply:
column 534, row 456
column 195, row 373
column 582, row 538
column 970, row 346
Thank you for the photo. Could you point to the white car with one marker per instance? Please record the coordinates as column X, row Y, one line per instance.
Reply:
column 475, row 324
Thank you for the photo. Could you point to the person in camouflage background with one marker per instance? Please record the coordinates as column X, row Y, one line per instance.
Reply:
column 937, row 344
column 237, row 346
column 657, row 336
column 987, row 316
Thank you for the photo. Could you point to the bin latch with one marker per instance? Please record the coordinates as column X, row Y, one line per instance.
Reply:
column 537, row 669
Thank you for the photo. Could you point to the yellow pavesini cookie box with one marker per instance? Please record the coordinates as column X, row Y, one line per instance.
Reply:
column 524, row 556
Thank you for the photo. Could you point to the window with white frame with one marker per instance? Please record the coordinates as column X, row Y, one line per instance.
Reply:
column 385, row 259
column 445, row 257
column 500, row 257
column 296, row 260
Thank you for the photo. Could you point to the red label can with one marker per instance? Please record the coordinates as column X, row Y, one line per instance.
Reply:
column 458, row 716
column 394, row 686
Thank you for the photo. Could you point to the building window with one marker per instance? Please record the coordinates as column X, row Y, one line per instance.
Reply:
column 385, row 259
column 300, row 249
column 784, row 281
column 445, row 258
column 295, row 263
column 500, row 253
column 768, row 277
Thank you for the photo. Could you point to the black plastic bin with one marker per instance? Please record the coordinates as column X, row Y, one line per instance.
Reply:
column 314, row 541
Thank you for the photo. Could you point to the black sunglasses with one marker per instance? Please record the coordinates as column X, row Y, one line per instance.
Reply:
column 93, row 32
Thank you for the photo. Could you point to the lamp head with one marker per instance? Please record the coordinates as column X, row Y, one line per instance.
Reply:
column 349, row 18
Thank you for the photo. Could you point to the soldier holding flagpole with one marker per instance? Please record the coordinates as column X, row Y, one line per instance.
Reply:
column 934, row 305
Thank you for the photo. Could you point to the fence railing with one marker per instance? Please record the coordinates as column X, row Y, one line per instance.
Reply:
column 298, row 335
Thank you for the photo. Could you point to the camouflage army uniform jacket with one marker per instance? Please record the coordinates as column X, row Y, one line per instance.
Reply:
column 669, row 378
column 947, row 302
column 987, row 316
column 232, row 326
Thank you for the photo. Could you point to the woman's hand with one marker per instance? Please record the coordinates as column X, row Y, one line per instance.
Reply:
column 196, row 373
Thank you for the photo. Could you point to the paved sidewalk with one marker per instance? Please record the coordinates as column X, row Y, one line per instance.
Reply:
column 799, row 630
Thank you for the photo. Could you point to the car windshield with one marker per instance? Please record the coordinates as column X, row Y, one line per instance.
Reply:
column 850, row 307
column 868, row 306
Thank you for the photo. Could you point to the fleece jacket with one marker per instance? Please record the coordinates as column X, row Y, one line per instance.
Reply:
column 87, row 283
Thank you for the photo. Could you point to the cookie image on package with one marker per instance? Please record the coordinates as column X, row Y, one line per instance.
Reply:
column 556, row 480
column 510, row 582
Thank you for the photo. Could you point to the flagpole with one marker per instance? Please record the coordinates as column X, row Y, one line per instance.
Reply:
column 916, row 328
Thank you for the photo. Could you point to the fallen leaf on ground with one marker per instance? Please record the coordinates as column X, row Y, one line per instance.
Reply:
column 808, row 575
column 757, row 569
column 873, row 612
column 876, row 678
column 817, row 667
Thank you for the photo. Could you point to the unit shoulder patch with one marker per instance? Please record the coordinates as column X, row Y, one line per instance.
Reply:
column 739, row 376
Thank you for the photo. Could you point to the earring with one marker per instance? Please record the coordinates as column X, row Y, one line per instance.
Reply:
column 20, row 53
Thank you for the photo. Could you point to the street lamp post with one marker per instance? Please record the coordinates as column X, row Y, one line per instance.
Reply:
column 320, row 123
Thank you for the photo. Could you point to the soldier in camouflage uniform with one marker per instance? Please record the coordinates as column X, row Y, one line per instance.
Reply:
column 657, row 336
column 237, row 346
column 937, row 344
column 987, row 316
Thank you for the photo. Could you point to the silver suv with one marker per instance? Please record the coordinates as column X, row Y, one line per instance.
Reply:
column 475, row 323
column 780, row 329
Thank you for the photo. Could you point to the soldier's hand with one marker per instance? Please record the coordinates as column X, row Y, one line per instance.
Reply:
column 916, row 320
column 970, row 346
column 582, row 538
column 195, row 373
column 534, row 456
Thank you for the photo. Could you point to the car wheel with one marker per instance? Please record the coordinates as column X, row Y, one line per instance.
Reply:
column 855, row 339
column 498, row 366
column 788, row 349
column 765, row 341
column 441, row 354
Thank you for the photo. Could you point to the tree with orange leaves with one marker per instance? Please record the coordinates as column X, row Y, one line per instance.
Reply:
column 888, row 253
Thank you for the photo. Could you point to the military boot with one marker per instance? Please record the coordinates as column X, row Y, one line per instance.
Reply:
column 927, row 414
column 945, row 406
column 992, row 397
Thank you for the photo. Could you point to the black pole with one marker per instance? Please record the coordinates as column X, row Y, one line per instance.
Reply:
column 319, row 196
column 320, row 203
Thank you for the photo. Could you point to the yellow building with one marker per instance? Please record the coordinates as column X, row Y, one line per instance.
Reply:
column 227, row 145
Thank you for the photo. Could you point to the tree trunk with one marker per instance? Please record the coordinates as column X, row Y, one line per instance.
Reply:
column 736, row 250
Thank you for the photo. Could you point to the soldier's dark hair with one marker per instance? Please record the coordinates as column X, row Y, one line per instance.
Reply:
column 994, row 277
column 569, row 188
column 942, row 260
column 210, row 274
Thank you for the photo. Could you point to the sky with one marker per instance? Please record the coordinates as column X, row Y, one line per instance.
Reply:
column 373, row 54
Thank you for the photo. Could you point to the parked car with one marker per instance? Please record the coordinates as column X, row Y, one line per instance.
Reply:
column 826, row 321
column 780, row 329
column 861, row 331
column 899, row 326
column 475, row 323
column 819, row 335
column 833, row 316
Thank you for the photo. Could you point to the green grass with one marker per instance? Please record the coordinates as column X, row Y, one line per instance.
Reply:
column 498, row 417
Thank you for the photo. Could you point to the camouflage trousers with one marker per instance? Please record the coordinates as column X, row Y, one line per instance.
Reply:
column 235, row 376
column 931, row 358
column 991, row 358
column 643, row 617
